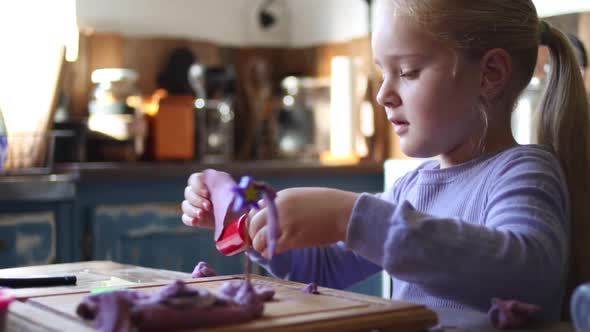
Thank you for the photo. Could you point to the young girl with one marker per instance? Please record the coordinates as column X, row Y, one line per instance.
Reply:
column 490, row 218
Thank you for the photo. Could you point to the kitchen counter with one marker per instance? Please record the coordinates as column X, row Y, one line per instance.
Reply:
column 47, row 187
column 61, row 184
column 136, row 170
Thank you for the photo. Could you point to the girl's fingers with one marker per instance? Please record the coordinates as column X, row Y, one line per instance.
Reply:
column 195, row 181
column 191, row 210
column 256, row 220
column 261, row 204
column 200, row 220
column 282, row 244
column 197, row 208
column 259, row 240
column 196, row 200
column 189, row 221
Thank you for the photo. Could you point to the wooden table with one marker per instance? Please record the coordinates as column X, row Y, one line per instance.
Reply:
column 53, row 308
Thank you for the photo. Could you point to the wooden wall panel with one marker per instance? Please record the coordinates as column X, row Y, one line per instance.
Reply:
column 298, row 61
column 384, row 144
column 106, row 50
column 248, row 100
column 77, row 80
column 148, row 55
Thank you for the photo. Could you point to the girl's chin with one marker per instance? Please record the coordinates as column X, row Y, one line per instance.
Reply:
column 415, row 150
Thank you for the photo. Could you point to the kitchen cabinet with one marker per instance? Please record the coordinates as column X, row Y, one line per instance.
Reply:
column 36, row 218
column 27, row 239
column 152, row 235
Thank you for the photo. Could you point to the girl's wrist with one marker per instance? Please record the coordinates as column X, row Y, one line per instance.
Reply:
column 348, row 203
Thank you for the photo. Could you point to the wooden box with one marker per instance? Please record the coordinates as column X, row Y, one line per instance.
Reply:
column 174, row 129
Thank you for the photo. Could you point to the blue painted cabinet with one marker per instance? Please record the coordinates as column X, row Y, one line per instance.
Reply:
column 152, row 235
column 27, row 239
column 36, row 219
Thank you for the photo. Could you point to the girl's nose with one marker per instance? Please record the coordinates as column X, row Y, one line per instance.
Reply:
column 388, row 97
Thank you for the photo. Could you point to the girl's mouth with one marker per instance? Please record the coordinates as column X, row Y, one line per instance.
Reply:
column 400, row 127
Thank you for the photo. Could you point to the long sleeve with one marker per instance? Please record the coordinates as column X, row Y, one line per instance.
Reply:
column 333, row 266
column 497, row 228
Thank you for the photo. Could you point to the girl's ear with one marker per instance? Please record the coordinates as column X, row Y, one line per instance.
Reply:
column 496, row 66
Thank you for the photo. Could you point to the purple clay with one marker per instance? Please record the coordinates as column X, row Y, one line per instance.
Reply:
column 114, row 314
column 91, row 304
column 246, row 294
column 229, row 290
column 311, row 288
column 203, row 270
column 176, row 306
column 235, row 291
column 510, row 314
column 178, row 295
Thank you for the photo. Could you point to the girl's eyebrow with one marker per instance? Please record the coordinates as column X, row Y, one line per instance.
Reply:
column 397, row 57
column 404, row 56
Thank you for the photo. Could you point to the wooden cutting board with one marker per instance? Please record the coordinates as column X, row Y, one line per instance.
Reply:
column 291, row 310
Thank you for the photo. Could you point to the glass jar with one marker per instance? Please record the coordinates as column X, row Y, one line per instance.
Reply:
column 114, row 117
column 216, row 126
column 113, row 87
column 214, row 88
column 301, row 119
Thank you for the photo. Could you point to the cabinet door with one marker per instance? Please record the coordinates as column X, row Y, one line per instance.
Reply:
column 153, row 235
column 27, row 239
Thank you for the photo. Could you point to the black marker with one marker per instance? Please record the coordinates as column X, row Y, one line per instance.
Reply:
column 37, row 282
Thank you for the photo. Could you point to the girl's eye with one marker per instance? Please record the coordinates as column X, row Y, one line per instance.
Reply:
column 409, row 74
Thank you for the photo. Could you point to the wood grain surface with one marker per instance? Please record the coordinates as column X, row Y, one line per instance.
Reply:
column 291, row 310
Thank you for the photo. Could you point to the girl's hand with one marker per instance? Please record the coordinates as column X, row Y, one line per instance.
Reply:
column 308, row 217
column 197, row 208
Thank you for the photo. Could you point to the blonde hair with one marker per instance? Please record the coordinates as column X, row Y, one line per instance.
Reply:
column 563, row 124
column 474, row 27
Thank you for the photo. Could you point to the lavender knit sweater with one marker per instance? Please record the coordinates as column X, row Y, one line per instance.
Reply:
column 496, row 226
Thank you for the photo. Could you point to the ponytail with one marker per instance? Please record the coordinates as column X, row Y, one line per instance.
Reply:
column 563, row 124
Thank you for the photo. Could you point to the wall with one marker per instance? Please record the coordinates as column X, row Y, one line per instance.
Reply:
column 234, row 22
column 148, row 54
column 229, row 22
column 552, row 7
column 316, row 22
column 204, row 20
